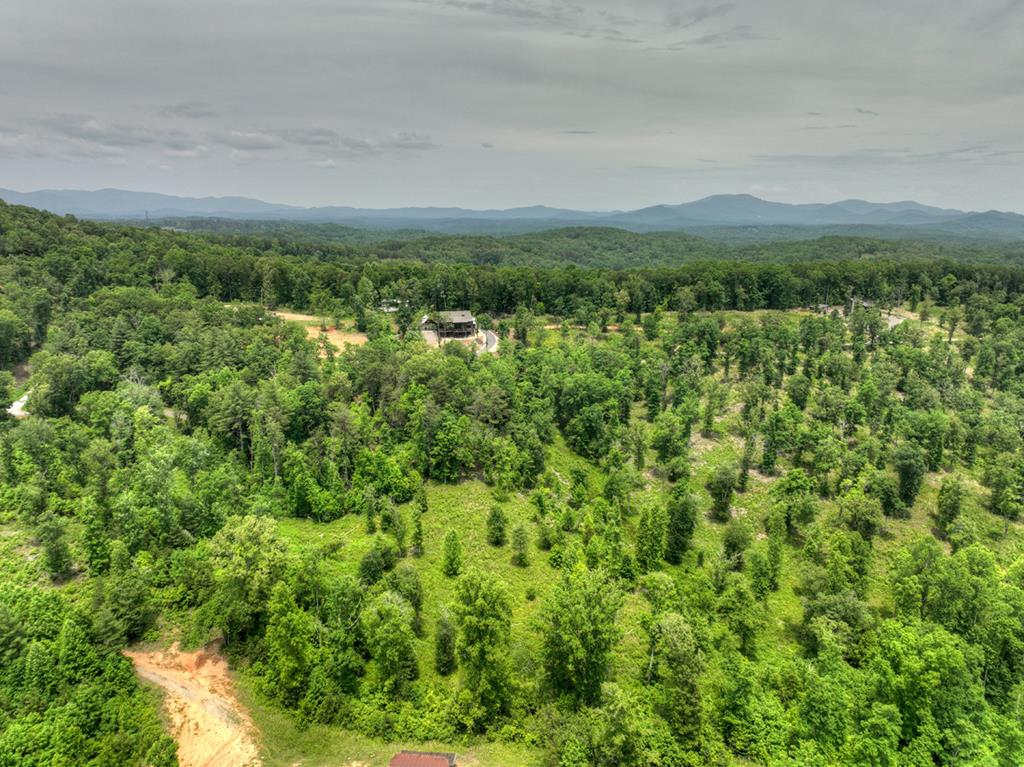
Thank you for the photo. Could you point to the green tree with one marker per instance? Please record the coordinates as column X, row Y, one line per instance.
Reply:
column 378, row 560
column 520, row 546
column 650, row 542
column 52, row 535
column 680, row 663
column 799, row 389
column 290, row 649
column 1006, row 486
column 417, row 533
column 247, row 558
column 721, row 485
column 861, row 513
column 910, row 468
column 483, row 612
column 950, row 503
column 387, row 625
column 497, row 522
column 444, row 645
column 579, row 631
column 682, row 523
column 452, row 562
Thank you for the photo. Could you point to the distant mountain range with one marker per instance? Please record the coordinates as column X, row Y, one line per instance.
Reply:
column 743, row 215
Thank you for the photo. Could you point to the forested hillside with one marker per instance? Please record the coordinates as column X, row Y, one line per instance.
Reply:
column 685, row 516
column 592, row 246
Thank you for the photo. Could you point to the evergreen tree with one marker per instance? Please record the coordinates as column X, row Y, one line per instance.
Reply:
column 56, row 552
column 680, row 664
column 520, row 546
column 496, row 524
column 682, row 522
column 650, row 542
column 452, row 562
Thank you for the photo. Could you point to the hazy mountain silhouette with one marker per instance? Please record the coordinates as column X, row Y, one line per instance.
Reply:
column 718, row 212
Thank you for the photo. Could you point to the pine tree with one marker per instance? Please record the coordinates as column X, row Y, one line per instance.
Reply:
column 96, row 538
column 452, row 564
column 57, row 553
column 682, row 522
column 650, row 542
column 496, row 522
column 520, row 546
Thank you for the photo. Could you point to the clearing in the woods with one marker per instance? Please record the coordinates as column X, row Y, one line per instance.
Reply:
column 338, row 336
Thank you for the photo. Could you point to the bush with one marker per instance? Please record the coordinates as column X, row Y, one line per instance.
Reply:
column 381, row 557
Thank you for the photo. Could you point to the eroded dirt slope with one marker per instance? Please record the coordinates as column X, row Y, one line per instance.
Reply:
column 207, row 721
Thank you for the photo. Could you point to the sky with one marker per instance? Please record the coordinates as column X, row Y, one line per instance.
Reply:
column 588, row 104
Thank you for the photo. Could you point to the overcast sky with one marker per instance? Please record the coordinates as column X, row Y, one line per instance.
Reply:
column 496, row 103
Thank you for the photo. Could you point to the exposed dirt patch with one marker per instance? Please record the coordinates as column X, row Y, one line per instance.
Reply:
column 210, row 726
column 338, row 337
column 700, row 444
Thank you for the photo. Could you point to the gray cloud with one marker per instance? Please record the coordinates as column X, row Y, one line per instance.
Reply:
column 800, row 99
column 88, row 129
column 193, row 110
column 248, row 141
column 999, row 13
column 557, row 13
column 735, row 34
column 843, row 126
column 684, row 19
column 897, row 156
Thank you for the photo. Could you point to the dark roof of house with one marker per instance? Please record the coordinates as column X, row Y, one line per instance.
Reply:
column 460, row 316
column 422, row 759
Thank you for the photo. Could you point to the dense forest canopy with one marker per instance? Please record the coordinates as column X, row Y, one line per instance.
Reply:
column 684, row 516
column 592, row 246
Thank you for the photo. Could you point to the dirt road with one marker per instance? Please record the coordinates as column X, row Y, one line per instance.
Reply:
column 210, row 726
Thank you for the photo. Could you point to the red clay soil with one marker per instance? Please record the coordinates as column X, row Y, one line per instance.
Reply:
column 210, row 726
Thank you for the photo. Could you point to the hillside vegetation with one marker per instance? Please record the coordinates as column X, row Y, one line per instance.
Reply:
column 683, row 517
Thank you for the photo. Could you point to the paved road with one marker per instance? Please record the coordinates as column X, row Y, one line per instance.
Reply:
column 490, row 342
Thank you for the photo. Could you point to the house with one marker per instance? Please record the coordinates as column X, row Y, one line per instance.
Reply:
column 459, row 324
column 422, row 759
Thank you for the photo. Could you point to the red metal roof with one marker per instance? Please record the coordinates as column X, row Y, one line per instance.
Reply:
column 422, row 759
